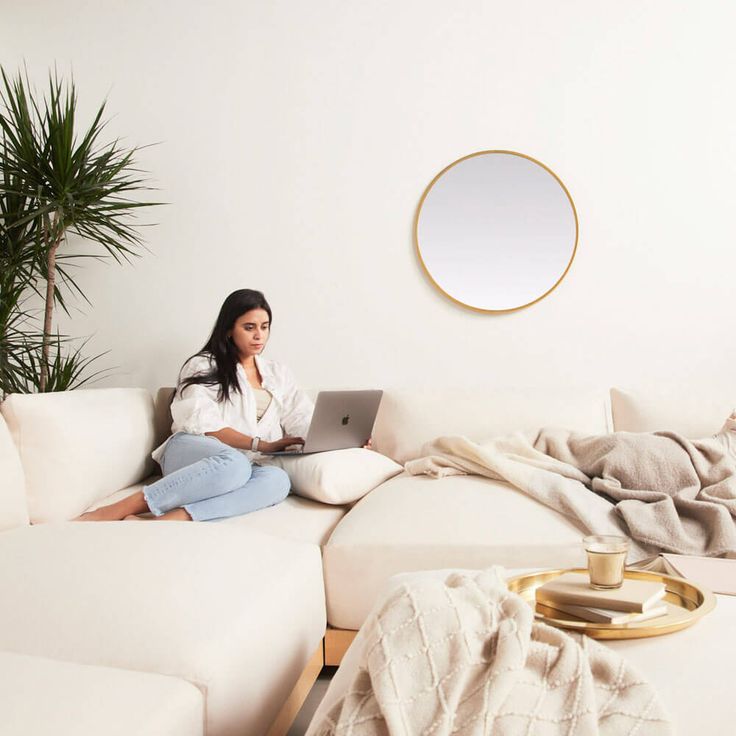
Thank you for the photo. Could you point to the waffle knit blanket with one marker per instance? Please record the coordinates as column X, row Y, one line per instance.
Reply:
column 463, row 656
column 664, row 491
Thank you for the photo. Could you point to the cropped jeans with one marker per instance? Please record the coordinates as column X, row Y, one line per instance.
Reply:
column 212, row 480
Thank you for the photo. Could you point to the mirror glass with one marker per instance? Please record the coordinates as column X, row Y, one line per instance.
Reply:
column 496, row 231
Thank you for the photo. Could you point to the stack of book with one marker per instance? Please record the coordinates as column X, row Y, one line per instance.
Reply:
column 571, row 594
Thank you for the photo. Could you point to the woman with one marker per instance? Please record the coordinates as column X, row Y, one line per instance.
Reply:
column 230, row 403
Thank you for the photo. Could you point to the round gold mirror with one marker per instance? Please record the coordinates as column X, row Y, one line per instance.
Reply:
column 496, row 231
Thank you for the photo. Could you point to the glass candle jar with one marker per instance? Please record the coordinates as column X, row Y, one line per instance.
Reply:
column 606, row 560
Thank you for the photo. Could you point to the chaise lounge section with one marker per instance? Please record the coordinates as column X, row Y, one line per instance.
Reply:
column 413, row 523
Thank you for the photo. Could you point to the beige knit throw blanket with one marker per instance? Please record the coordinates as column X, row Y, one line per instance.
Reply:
column 669, row 493
column 463, row 656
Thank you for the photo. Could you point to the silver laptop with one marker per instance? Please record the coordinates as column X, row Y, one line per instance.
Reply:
column 341, row 419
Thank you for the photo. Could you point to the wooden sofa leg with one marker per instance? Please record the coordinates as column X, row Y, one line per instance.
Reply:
column 337, row 642
column 288, row 713
column 329, row 653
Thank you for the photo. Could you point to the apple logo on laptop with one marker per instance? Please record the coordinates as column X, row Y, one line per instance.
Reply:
column 345, row 419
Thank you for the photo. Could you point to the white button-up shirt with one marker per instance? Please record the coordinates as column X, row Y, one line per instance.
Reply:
column 198, row 410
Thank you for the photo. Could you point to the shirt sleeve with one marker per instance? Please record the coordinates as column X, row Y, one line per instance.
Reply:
column 196, row 409
column 298, row 408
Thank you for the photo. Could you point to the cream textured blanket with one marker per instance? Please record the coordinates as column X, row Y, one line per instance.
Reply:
column 669, row 493
column 463, row 656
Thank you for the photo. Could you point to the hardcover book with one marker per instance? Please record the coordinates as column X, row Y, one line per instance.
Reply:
column 574, row 589
column 607, row 615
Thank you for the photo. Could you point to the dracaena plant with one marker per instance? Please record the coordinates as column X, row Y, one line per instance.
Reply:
column 55, row 181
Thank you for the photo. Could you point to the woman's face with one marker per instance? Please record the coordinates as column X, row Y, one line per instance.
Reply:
column 250, row 332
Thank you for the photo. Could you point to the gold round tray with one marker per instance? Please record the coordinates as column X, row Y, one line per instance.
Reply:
column 686, row 603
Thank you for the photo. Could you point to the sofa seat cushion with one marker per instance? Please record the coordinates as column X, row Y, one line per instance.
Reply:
column 208, row 603
column 13, row 506
column 692, row 670
column 79, row 446
column 295, row 518
column 45, row 696
column 420, row 523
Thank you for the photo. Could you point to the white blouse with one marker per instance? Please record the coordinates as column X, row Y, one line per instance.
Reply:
column 197, row 410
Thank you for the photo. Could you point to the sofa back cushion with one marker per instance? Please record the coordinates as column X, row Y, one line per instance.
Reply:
column 13, row 507
column 409, row 418
column 694, row 414
column 79, row 446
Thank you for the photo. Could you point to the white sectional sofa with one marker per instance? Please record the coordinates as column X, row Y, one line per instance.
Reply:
column 217, row 621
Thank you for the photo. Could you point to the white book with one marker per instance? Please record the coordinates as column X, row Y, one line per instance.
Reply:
column 574, row 589
column 609, row 616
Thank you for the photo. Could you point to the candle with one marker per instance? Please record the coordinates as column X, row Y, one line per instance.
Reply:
column 606, row 560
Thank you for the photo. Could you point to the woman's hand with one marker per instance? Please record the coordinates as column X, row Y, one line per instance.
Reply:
column 279, row 445
column 368, row 444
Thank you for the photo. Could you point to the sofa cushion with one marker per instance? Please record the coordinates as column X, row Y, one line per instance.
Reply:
column 337, row 477
column 79, row 446
column 237, row 614
column 13, row 507
column 295, row 518
column 419, row 523
column 45, row 696
column 693, row 413
column 409, row 418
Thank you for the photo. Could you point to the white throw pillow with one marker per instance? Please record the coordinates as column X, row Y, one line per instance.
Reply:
column 408, row 418
column 336, row 477
column 79, row 446
column 692, row 413
column 13, row 507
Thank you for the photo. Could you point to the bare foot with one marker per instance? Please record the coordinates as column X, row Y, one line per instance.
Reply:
column 134, row 504
column 103, row 514
column 174, row 515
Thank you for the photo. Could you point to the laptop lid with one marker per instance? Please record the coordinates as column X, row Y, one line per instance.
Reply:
column 341, row 419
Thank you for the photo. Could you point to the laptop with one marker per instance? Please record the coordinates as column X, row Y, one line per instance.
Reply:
column 341, row 419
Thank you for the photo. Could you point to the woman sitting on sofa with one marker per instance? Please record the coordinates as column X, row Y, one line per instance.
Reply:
column 229, row 403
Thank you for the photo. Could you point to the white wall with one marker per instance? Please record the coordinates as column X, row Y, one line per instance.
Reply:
column 297, row 138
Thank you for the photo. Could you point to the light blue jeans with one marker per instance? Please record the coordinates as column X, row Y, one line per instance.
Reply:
column 212, row 480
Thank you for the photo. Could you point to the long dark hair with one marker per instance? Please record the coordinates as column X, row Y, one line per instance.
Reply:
column 221, row 348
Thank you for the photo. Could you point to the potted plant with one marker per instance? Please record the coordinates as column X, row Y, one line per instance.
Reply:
column 55, row 182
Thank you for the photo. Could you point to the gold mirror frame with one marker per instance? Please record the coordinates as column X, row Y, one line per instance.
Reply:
column 419, row 253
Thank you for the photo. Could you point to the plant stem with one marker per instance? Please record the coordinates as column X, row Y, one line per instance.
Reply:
column 49, row 307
